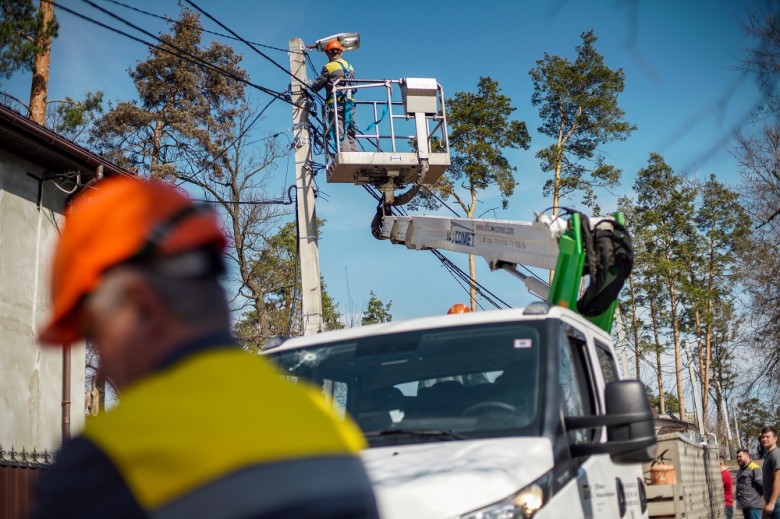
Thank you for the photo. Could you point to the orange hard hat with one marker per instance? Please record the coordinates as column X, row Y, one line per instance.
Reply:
column 121, row 219
column 334, row 44
column 458, row 308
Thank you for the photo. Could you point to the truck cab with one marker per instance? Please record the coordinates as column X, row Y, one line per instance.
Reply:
column 510, row 413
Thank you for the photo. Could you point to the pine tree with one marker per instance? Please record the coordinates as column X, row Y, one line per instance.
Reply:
column 665, row 211
column 20, row 30
column 724, row 228
column 185, row 116
column 276, row 281
column 376, row 311
column 579, row 109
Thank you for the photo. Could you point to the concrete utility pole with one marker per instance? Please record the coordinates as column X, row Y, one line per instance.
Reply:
column 694, row 387
column 311, row 289
column 622, row 342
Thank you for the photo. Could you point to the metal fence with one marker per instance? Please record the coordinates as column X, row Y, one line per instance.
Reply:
column 18, row 472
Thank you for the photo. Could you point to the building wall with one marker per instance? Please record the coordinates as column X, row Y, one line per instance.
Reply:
column 30, row 376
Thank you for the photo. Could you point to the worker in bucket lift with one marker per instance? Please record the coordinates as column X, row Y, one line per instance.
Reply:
column 343, row 103
column 202, row 428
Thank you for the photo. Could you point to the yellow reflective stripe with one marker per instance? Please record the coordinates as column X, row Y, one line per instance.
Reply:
column 338, row 65
column 213, row 413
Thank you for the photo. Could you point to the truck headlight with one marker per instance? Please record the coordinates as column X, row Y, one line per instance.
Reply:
column 522, row 504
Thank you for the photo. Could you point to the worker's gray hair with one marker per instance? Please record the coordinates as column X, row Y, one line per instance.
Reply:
column 197, row 301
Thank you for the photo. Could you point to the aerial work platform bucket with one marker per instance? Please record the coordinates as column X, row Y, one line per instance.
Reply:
column 404, row 144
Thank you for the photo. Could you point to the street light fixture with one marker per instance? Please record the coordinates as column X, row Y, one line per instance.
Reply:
column 348, row 40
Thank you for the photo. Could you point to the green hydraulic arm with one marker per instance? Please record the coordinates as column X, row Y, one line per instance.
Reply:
column 566, row 286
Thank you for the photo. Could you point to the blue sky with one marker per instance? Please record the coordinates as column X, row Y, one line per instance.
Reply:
column 683, row 90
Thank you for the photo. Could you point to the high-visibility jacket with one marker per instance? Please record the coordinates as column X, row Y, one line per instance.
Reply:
column 332, row 71
column 749, row 486
column 218, row 434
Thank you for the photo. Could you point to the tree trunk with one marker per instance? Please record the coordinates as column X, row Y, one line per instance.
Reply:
column 557, row 179
column 40, row 79
column 101, row 388
column 659, row 372
column 700, row 359
column 721, row 425
column 472, row 263
column 708, row 319
column 634, row 325
column 676, row 338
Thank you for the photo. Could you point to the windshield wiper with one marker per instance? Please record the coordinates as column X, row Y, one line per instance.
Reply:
column 426, row 433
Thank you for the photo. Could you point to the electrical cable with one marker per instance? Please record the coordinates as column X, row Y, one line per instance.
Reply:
column 193, row 60
column 167, row 19
column 442, row 202
column 241, row 39
column 453, row 269
column 286, row 96
column 240, row 135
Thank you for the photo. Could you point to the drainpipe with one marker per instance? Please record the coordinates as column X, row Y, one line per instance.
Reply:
column 66, row 364
column 65, row 392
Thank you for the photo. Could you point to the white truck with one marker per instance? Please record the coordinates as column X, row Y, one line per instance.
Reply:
column 502, row 414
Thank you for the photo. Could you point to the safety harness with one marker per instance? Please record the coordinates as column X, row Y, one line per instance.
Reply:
column 343, row 99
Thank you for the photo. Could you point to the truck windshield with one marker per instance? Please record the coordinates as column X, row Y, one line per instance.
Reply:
column 430, row 385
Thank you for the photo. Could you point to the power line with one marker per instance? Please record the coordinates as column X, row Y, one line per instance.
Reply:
column 453, row 269
column 167, row 19
column 270, row 201
column 239, row 38
column 197, row 60
column 194, row 60
column 250, row 45
column 240, row 135
column 183, row 54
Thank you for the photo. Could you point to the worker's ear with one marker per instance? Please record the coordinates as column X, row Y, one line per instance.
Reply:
column 148, row 304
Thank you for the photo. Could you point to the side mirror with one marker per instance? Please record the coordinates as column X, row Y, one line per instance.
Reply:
column 637, row 436
column 629, row 422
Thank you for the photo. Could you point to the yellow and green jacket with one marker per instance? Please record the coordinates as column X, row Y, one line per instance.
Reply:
column 332, row 71
column 218, row 433
column 749, row 487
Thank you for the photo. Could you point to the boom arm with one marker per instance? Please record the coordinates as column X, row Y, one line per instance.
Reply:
column 546, row 243
column 503, row 243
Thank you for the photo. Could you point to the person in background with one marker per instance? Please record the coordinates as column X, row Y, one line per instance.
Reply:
column 202, row 428
column 749, row 487
column 771, row 479
column 728, row 488
column 338, row 68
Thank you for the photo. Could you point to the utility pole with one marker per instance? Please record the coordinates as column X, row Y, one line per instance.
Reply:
column 694, row 387
column 622, row 343
column 311, row 289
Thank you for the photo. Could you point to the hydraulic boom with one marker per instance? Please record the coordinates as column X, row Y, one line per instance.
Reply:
column 569, row 248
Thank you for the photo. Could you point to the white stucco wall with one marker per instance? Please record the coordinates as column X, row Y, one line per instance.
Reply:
column 30, row 376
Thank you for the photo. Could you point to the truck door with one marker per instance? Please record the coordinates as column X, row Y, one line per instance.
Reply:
column 627, row 479
column 603, row 488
